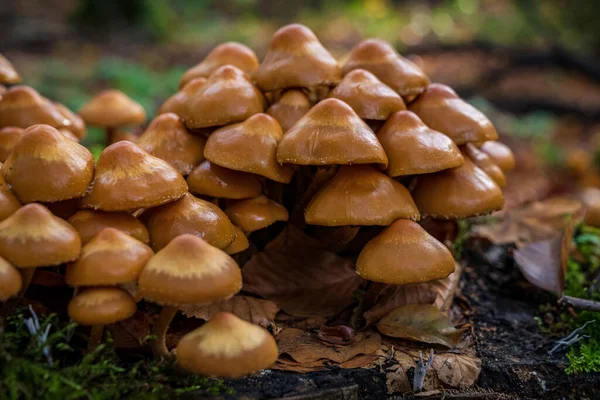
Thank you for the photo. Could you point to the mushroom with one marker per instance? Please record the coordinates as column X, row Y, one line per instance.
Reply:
column 250, row 146
column 69, row 135
column 404, row 253
column 89, row 222
column 168, row 139
column 256, row 213
column 8, row 73
column 209, row 179
column 186, row 271
column 500, row 154
column 23, row 106
column 77, row 125
column 45, row 166
column 239, row 244
column 11, row 282
column 8, row 202
column 176, row 103
column 9, row 136
column 592, row 215
column 231, row 53
column 291, row 106
column 228, row 347
column 485, row 163
column 128, row 178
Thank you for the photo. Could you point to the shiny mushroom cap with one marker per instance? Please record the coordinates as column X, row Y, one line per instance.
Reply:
column 8, row 73
column 177, row 103
column 231, row 53
column 383, row 61
column 76, row 125
column 404, row 253
column 228, row 347
column 441, row 109
column 485, row 163
column 168, row 139
column 257, row 213
column 360, row 195
column 189, row 270
column 101, row 306
column 330, row 133
column 414, row 148
column 368, row 96
column 10, row 280
column 33, row 237
column 592, row 215
column 227, row 97
column 45, row 166
column 295, row 59
column 292, row 105
column 456, row 193
column 240, row 243
column 112, row 108
column 192, row 216
column 89, row 222
column 8, row 202
column 211, row 180
column 250, row 146
column 129, row 178
column 23, row 106
column 500, row 154
column 9, row 136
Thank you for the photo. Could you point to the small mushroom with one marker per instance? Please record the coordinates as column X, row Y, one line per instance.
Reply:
column 76, row 126
column 291, row 106
column 500, row 154
column 257, row 213
column 592, row 215
column 9, row 136
column 11, row 282
column 228, row 347
column 8, row 73
column 22, row 107
column 239, row 244
column 89, row 222
column 176, row 103
column 211, row 180
column 8, row 202
column 485, row 163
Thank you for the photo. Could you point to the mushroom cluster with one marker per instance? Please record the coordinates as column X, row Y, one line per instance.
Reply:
column 361, row 156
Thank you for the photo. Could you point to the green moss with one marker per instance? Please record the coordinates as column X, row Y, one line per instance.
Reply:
column 462, row 237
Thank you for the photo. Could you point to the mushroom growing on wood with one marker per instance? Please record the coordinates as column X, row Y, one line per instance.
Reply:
column 8, row 73
column 257, row 213
column 9, row 136
column 89, row 222
column 22, row 106
column 209, row 179
column 500, row 154
column 176, row 104
column 485, row 163
column 239, row 244
column 291, row 106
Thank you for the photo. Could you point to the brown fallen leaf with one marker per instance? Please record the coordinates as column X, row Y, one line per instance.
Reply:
column 457, row 370
column 296, row 272
column 258, row 311
column 420, row 322
column 132, row 332
column 445, row 289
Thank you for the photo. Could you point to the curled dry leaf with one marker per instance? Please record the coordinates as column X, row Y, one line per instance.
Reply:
column 457, row 370
column 296, row 272
column 336, row 335
column 420, row 322
column 258, row 311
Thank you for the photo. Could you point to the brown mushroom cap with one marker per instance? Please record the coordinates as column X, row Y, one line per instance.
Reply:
column 209, row 179
column 500, row 154
column 46, row 166
column 368, row 96
column 112, row 108
column 112, row 257
column 240, row 243
column 292, row 106
column 76, row 125
column 192, row 216
column 22, row 106
column 592, row 215
column 189, row 270
column 257, row 213
column 455, row 193
column 8, row 73
column 296, row 58
column 360, row 195
column 101, row 306
column 330, row 133
column 9, row 136
column 250, row 146
column 441, row 109
column 176, row 103
column 128, row 178
column 485, row 163
column 231, row 53
column 10, row 280
column 226, row 346
column 404, row 253
column 413, row 148
column 8, row 202
column 227, row 97
column 89, row 222
column 168, row 139
column 69, row 135
column 383, row 61
column 33, row 237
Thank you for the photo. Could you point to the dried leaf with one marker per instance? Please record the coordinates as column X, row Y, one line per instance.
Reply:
column 445, row 289
column 258, row 311
column 297, row 272
column 132, row 332
column 457, row 370
column 420, row 322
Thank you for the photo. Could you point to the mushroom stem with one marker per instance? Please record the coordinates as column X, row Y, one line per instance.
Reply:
column 159, row 347
column 96, row 334
column 110, row 135
column 320, row 178
column 27, row 274
column 336, row 237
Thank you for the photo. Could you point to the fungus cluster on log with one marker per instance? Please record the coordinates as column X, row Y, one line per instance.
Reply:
column 355, row 155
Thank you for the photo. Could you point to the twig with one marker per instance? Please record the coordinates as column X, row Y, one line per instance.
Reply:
column 33, row 325
column 580, row 304
column 421, row 370
column 570, row 339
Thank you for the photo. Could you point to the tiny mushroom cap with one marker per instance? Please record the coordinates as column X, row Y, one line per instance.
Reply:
column 331, row 133
column 404, row 253
column 101, row 306
column 381, row 59
column 227, row 97
column 46, row 166
column 22, row 106
column 112, row 108
column 89, row 222
column 189, row 270
column 112, row 257
column 9, row 136
column 209, row 179
column 176, row 103
column 189, row 215
column 11, row 281
column 77, row 125
column 33, row 237
column 414, row 148
column 129, row 178
column 485, row 163
column 231, row 53
column 360, row 195
column 368, row 96
column 8, row 74
column 8, row 202
column 257, row 213
column 250, row 146
column 456, row 193
column 441, row 109
column 228, row 347
column 168, row 139
column 240, row 243
column 295, row 59
column 500, row 154
column 592, row 215
column 292, row 106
